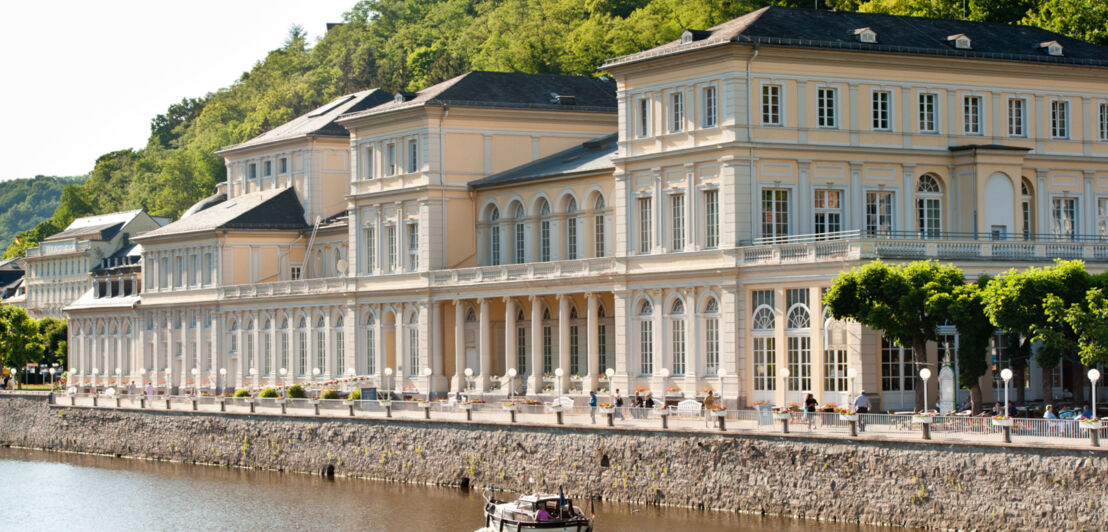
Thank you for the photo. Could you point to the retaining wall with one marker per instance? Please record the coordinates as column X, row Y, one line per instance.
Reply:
column 894, row 483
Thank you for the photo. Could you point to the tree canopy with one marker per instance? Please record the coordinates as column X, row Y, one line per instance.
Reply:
column 20, row 340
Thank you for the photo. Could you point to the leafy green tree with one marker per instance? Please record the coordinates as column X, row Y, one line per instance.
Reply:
column 965, row 308
column 906, row 303
column 1082, row 19
column 20, row 341
column 54, row 333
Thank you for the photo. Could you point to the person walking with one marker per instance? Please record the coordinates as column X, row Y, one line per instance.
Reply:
column 617, row 402
column 706, row 408
column 810, row 405
column 862, row 406
column 592, row 406
column 636, row 406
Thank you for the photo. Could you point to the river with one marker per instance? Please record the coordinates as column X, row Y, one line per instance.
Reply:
column 56, row 491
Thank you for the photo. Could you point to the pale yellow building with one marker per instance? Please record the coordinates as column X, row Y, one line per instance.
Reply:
column 676, row 223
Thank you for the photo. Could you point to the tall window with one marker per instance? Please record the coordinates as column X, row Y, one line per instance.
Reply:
column 390, row 244
column 1025, row 208
column 544, row 231
column 1102, row 217
column 765, row 351
column 252, row 171
column 677, row 222
column 882, row 110
column 302, row 348
column 928, row 112
column 413, row 247
column 390, row 159
column 1103, row 121
column 676, row 112
column 775, row 212
column 1017, row 110
column 971, row 115
column 644, row 118
column 646, row 338
column 370, row 251
column 413, row 344
column 267, row 168
column 371, row 344
column 828, row 211
column 285, row 345
column 799, row 343
column 321, row 345
column 520, row 236
column 645, row 214
column 1060, row 119
column 929, row 198
column 711, row 336
column 677, row 336
column 598, row 225
column 267, row 353
column 711, row 218
column 897, row 370
column 708, row 95
column 879, row 212
column 771, row 105
column 494, row 236
column 571, row 229
column 834, row 370
column 1063, row 216
column 250, row 362
column 521, row 347
column 547, row 345
column 413, row 155
column 574, row 350
column 368, row 164
column 826, row 107
column 340, row 347
column 602, row 346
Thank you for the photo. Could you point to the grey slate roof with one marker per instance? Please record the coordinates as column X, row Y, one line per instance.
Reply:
column 273, row 209
column 319, row 121
column 99, row 227
column 592, row 156
column 811, row 28
column 509, row 90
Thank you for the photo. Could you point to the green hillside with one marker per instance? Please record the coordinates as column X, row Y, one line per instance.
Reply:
column 410, row 44
column 24, row 203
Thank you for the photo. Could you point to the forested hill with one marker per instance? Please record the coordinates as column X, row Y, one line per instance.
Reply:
column 410, row 44
column 24, row 203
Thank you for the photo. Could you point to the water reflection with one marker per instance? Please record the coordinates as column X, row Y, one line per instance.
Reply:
column 51, row 491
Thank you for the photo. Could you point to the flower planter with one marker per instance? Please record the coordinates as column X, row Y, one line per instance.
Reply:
column 350, row 403
column 848, row 417
column 718, row 413
column 1007, row 422
column 555, row 408
column 466, row 406
column 1090, row 424
column 924, row 420
column 607, row 411
column 424, row 404
column 509, row 408
column 781, row 416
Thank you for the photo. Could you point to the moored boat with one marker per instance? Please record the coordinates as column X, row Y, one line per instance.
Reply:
column 540, row 511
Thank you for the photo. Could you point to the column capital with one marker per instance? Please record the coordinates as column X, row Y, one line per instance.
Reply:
column 590, row 296
column 481, row 301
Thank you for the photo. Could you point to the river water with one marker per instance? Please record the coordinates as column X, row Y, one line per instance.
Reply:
column 55, row 491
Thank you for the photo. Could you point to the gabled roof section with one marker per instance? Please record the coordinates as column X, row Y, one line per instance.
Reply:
column 317, row 122
column 267, row 210
column 592, row 156
column 509, row 90
column 812, row 28
column 99, row 227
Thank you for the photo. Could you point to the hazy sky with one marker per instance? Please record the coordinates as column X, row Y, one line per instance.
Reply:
column 82, row 78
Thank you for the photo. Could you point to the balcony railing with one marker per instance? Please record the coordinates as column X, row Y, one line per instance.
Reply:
column 57, row 248
column 278, row 288
column 521, row 272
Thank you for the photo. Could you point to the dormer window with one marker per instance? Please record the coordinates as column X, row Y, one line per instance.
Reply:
column 694, row 35
column 960, row 41
column 686, row 37
column 1052, row 48
column 865, row 35
column 399, row 98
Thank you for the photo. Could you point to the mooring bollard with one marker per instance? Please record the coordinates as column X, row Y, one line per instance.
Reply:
column 142, row 402
column 665, row 421
column 388, row 410
column 352, row 409
column 558, row 415
column 611, row 417
column 223, row 405
column 73, row 400
column 722, row 423
column 316, row 408
column 513, row 413
column 284, row 408
column 1094, row 437
column 167, row 403
column 785, row 426
column 194, row 404
column 95, row 401
column 469, row 415
column 117, row 401
column 854, row 428
column 426, row 412
column 926, row 430
column 251, row 406
column 1007, row 434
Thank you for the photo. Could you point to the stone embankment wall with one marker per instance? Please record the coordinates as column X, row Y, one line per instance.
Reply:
column 904, row 484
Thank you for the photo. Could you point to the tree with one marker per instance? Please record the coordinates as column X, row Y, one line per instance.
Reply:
column 54, row 334
column 20, row 341
column 1089, row 321
column 906, row 303
column 1082, row 19
column 965, row 307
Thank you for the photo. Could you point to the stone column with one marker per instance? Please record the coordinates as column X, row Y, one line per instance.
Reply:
column 400, row 340
column 534, row 381
column 457, row 383
column 563, row 343
column 658, row 384
column 379, row 349
column 591, row 325
column 692, row 342
column 510, row 344
column 438, row 362
column 484, row 343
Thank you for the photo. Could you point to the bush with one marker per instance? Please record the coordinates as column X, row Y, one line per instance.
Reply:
column 355, row 395
column 297, row 392
column 329, row 393
column 268, row 392
column 242, row 392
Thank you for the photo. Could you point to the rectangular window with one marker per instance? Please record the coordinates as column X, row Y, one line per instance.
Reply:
column 971, row 115
column 598, row 227
column 646, row 347
column 1103, row 121
column 897, row 371
column 711, row 218
column 765, row 364
column 676, row 112
column 320, row 348
column 882, row 110
column 390, row 262
column 413, row 247
column 413, row 155
column 645, row 214
column 544, row 240
column 267, row 168
column 251, row 171
column 571, row 238
column 644, row 118
column 1102, row 217
column 775, row 212
column 827, row 101
column 928, row 112
column 207, row 268
column 520, row 244
column 390, row 159
column 574, row 351
column 368, row 164
column 828, row 211
column 1017, row 109
column 1060, row 119
column 711, row 345
column 194, row 271
column 834, row 370
column 800, row 363
column 179, row 271
column 283, row 165
column 370, row 251
column 1063, row 214
column 678, row 347
column 677, row 222
column 521, row 349
column 163, row 273
column 340, row 351
column 294, row 273
column 709, row 97
column 771, row 105
column 602, row 346
column 413, row 347
column 879, row 212
column 547, row 351
column 494, row 245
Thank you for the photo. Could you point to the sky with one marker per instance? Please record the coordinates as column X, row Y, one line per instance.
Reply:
column 82, row 78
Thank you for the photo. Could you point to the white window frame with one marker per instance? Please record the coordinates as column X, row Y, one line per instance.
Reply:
column 676, row 108
column 827, row 109
column 368, row 163
column 881, row 107
column 710, row 197
column 390, row 159
column 788, row 214
column 1056, row 228
column 928, row 119
column 876, row 228
column 643, row 116
column 413, row 156
column 827, row 212
column 1060, row 118
column 1102, row 121
column 973, row 115
column 644, row 211
column 1017, row 117
column 677, row 238
column 412, row 238
column 709, row 96
column 772, row 114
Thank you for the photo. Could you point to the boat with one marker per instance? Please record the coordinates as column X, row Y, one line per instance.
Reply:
column 549, row 512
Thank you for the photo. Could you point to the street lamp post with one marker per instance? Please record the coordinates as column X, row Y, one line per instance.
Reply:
column 558, row 373
column 315, row 375
column 925, row 374
column 388, row 393
column 511, row 381
column 1006, row 374
column 611, row 385
column 1094, row 434
column 783, row 373
column 469, row 375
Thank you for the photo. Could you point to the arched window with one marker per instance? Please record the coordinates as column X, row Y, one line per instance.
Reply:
column 267, row 351
column 302, row 348
column 765, row 347
column 1026, row 203
column 544, row 231
column 494, row 235
column 234, row 337
column 371, row 344
column 798, row 318
column 571, row 229
column 340, row 347
column 677, row 336
column 547, row 343
column 646, row 338
column 711, row 336
column 285, row 345
column 321, row 346
column 599, row 222
column 520, row 235
column 799, row 348
column 929, row 207
column 471, row 315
